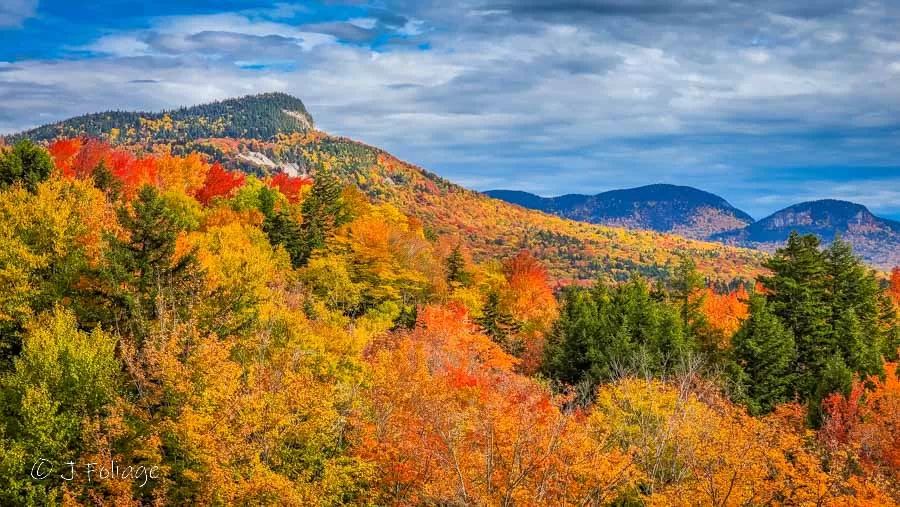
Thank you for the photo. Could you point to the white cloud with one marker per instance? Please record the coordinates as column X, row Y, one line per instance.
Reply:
column 14, row 12
column 575, row 103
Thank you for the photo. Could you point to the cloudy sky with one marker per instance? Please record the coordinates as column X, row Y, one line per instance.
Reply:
column 761, row 101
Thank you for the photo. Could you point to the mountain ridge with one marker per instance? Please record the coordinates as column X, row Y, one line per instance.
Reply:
column 488, row 228
column 875, row 239
column 260, row 116
column 660, row 207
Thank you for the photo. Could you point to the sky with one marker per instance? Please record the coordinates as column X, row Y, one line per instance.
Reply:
column 764, row 102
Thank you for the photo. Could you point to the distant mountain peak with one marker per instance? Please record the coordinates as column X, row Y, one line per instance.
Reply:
column 261, row 116
column 662, row 207
column 875, row 239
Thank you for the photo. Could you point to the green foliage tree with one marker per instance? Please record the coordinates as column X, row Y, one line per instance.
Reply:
column 686, row 283
column 25, row 163
column 322, row 210
column 796, row 294
column 499, row 324
column 456, row 268
column 106, row 181
column 282, row 229
column 603, row 331
column 853, row 295
column 832, row 304
column 763, row 358
column 63, row 380
column 142, row 268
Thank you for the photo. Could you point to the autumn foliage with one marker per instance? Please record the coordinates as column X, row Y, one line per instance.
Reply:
column 153, row 310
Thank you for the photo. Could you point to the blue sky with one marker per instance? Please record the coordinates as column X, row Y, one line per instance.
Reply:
column 765, row 103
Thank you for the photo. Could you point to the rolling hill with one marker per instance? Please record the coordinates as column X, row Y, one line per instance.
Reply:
column 490, row 228
column 875, row 239
column 681, row 210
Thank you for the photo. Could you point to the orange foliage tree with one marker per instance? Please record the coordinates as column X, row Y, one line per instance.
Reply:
column 724, row 314
column 449, row 422
column 866, row 423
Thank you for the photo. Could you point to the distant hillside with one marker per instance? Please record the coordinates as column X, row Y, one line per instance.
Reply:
column 255, row 135
column 681, row 210
column 259, row 117
column 877, row 240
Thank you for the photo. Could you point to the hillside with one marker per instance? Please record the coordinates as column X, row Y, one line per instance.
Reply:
column 875, row 239
column 252, row 117
column 302, row 341
column 681, row 210
column 490, row 228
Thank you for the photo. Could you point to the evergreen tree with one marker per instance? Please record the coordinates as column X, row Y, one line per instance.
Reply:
column 836, row 377
column 456, row 268
column 853, row 295
column 570, row 349
column 322, row 210
column 602, row 331
column 763, row 357
column 25, row 163
column 686, row 285
column 499, row 324
column 142, row 269
column 796, row 295
column 106, row 181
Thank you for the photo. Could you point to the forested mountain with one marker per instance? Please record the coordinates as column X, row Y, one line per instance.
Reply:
column 675, row 209
column 693, row 213
column 489, row 227
column 252, row 117
column 876, row 239
column 358, row 331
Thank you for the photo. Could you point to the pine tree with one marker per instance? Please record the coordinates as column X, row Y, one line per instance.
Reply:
column 106, row 181
column 796, row 295
column 835, row 377
column 499, row 324
column 763, row 357
column 686, row 284
column 602, row 331
column 142, row 267
column 853, row 295
column 456, row 272
column 322, row 210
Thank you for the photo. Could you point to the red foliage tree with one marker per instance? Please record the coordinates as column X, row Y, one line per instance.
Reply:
column 290, row 186
column 219, row 182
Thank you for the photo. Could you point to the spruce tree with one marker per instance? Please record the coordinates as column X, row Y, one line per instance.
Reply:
column 106, row 181
column 141, row 268
column 796, row 295
column 763, row 357
column 323, row 210
column 456, row 272
column 499, row 324
column 686, row 284
column 603, row 330
column 853, row 296
column 835, row 377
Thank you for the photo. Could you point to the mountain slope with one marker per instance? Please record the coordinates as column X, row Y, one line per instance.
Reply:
column 252, row 117
column 489, row 228
column 676, row 209
column 877, row 240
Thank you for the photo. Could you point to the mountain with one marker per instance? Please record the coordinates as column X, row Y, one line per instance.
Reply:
column 253, row 117
column 676, row 209
column 875, row 239
column 257, row 135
